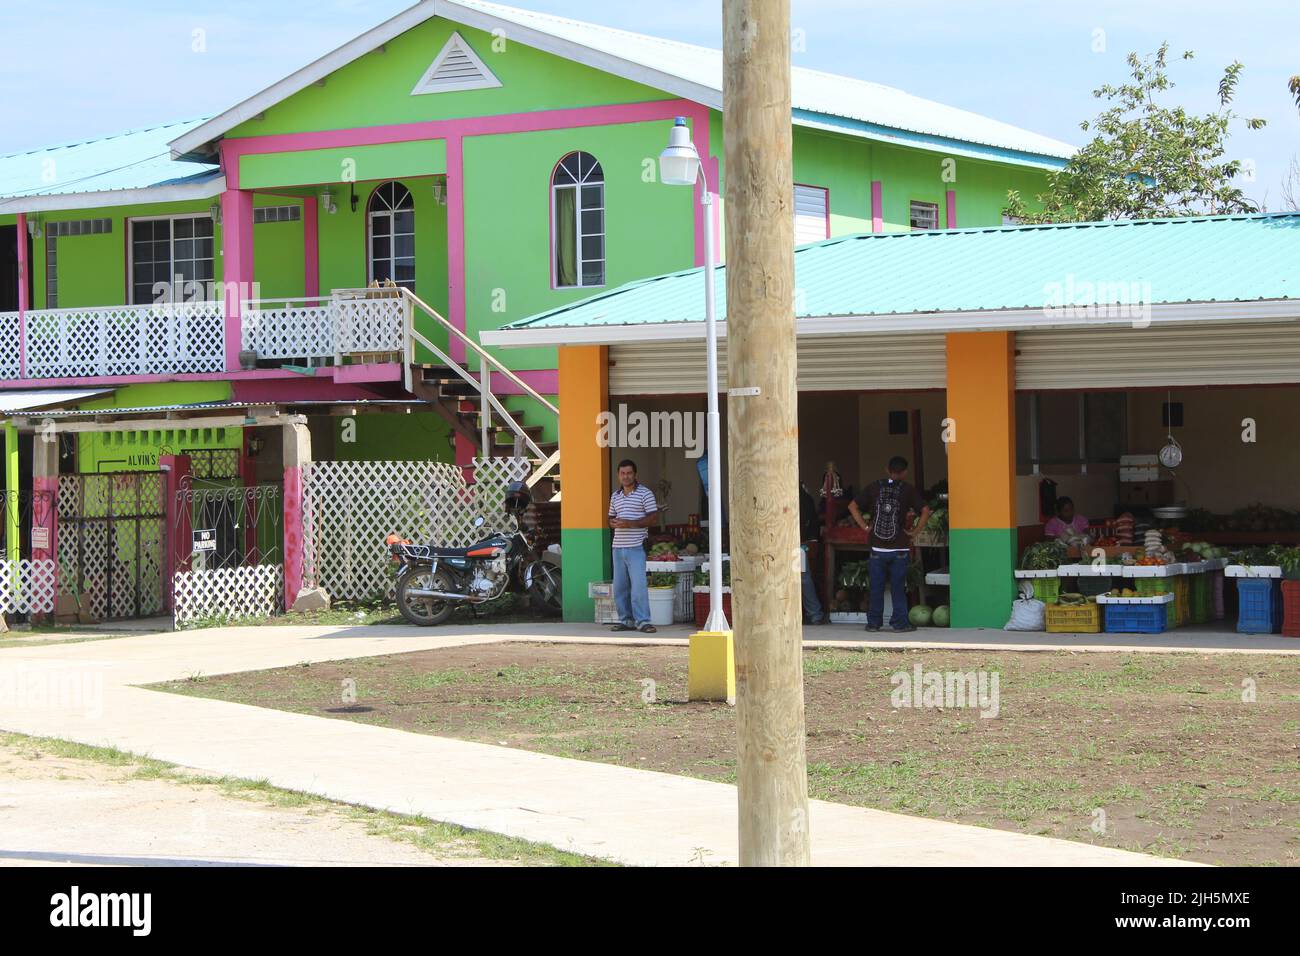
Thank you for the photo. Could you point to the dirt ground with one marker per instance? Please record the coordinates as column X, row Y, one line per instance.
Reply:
column 1161, row 753
column 110, row 809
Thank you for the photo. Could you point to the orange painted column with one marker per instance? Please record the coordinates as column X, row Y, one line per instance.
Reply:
column 585, row 475
column 980, row 432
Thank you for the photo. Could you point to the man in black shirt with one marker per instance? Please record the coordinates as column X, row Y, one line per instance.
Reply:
column 891, row 501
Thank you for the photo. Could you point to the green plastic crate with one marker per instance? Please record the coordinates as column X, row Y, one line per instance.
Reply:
column 1151, row 587
column 1047, row 590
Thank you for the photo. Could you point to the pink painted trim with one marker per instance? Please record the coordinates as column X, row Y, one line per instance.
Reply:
column 542, row 381
column 369, row 372
column 877, row 207
column 952, row 208
column 385, row 371
column 237, row 264
column 20, row 237
column 293, row 534
column 310, row 246
column 456, row 242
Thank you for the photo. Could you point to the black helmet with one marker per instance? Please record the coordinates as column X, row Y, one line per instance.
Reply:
column 517, row 498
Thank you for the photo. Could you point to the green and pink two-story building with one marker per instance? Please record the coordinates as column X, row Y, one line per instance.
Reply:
column 203, row 290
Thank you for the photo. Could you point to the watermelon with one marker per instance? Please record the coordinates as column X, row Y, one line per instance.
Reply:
column 919, row 616
column 941, row 616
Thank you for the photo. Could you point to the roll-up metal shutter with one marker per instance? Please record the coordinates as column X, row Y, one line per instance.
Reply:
column 826, row 363
column 1189, row 354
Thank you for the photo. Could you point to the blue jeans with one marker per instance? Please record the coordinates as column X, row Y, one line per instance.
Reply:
column 812, row 607
column 891, row 565
column 631, row 592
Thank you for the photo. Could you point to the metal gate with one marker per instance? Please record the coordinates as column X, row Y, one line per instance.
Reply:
column 112, row 533
column 230, row 561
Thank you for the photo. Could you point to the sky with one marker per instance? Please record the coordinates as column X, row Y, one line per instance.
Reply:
column 78, row 69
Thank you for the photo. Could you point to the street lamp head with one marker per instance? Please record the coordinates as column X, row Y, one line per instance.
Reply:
column 679, row 163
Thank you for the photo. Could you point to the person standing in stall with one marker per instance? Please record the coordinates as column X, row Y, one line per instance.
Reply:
column 892, row 501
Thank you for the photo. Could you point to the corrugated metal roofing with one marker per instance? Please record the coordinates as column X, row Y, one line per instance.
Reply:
column 819, row 100
column 29, row 400
column 137, row 159
column 825, row 94
column 1193, row 259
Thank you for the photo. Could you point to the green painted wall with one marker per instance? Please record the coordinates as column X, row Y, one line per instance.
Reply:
column 134, row 450
column 418, row 436
column 376, row 89
column 344, row 164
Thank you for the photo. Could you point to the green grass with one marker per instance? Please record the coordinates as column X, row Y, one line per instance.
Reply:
column 441, row 839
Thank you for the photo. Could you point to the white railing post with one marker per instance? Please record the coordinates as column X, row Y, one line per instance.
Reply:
column 484, row 413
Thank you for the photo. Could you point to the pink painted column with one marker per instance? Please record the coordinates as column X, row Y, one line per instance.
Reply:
column 456, row 280
column 952, row 208
column 877, row 206
column 237, row 264
column 24, row 268
column 45, row 504
column 180, row 534
column 311, row 246
column 297, row 457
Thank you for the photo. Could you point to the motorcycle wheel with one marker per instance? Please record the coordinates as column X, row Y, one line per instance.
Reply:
column 424, row 611
column 547, row 590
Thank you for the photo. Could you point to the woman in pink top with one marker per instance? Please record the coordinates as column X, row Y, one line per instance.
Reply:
column 1065, row 519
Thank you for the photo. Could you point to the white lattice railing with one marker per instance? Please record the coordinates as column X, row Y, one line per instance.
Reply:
column 27, row 588
column 125, row 340
column 9, row 345
column 300, row 328
column 369, row 321
column 349, row 507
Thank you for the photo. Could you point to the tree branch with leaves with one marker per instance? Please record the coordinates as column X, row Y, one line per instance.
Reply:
column 1146, row 159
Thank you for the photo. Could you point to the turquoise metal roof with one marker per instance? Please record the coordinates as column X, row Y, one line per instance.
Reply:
column 1192, row 259
column 137, row 159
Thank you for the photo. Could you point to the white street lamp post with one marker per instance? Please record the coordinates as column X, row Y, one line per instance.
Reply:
column 679, row 165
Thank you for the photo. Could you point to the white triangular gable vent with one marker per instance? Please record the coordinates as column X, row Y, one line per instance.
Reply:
column 456, row 67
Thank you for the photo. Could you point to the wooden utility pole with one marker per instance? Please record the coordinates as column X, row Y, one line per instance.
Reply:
column 763, row 435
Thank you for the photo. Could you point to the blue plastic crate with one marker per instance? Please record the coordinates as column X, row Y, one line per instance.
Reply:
column 1259, row 604
column 1136, row 618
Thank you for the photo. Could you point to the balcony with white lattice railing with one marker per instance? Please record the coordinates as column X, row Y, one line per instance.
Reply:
column 180, row 338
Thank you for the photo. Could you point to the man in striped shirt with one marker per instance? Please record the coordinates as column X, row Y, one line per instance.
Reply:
column 632, row 509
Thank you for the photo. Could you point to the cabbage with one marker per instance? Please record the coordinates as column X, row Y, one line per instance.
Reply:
column 919, row 616
column 941, row 616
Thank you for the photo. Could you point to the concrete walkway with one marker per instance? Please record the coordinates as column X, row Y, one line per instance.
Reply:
column 84, row 692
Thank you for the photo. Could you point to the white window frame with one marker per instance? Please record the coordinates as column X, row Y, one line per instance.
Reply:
column 130, row 251
column 392, row 234
column 824, row 226
column 911, row 214
column 578, row 209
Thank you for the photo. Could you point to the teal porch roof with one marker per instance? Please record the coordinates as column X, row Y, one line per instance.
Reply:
column 126, row 162
column 1212, row 259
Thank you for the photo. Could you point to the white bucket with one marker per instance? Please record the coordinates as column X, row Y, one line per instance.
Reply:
column 661, row 606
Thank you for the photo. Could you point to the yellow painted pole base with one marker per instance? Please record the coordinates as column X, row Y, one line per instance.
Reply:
column 711, row 668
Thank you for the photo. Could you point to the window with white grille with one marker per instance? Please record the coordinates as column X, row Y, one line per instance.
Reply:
column 79, row 227
column 456, row 67
column 392, row 235
column 924, row 215
column 277, row 214
column 578, row 222
column 811, row 214
column 175, row 250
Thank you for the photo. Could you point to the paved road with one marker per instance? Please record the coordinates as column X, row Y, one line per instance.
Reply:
column 85, row 692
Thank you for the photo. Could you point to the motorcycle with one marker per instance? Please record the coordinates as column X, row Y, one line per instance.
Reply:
column 433, row 580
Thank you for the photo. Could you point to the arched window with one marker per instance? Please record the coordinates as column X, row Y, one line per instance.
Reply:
column 578, row 221
column 391, row 212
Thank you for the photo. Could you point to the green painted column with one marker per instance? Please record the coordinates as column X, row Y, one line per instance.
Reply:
column 13, row 545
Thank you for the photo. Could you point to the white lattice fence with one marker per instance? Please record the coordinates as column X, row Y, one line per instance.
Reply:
column 126, row 340
column 293, row 329
column 255, row 591
column 349, row 507
column 27, row 587
column 9, row 347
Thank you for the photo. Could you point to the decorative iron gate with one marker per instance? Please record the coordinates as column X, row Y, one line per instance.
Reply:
column 231, row 561
column 110, row 545
column 26, row 585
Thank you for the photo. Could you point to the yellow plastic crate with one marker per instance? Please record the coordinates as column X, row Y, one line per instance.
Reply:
column 1074, row 619
column 1182, row 605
